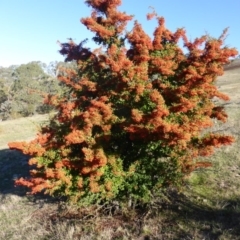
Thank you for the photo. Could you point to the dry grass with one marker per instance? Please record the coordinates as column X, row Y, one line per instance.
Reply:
column 22, row 129
column 207, row 208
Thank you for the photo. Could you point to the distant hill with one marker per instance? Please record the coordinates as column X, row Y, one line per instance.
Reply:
column 234, row 64
column 22, row 87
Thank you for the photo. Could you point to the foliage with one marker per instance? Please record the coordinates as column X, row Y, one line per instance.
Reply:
column 22, row 89
column 133, row 120
column 26, row 88
column 3, row 92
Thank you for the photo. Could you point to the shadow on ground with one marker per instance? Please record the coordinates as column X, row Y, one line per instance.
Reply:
column 200, row 221
column 13, row 165
column 186, row 218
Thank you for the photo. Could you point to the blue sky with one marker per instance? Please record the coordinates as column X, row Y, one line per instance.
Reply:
column 30, row 28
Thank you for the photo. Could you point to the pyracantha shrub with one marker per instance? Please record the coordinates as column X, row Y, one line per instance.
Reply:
column 135, row 116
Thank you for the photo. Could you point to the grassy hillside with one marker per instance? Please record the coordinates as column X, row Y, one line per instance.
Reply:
column 207, row 208
column 21, row 129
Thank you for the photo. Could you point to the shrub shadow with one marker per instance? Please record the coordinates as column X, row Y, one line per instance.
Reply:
column 14, row 165
column 207, row 222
